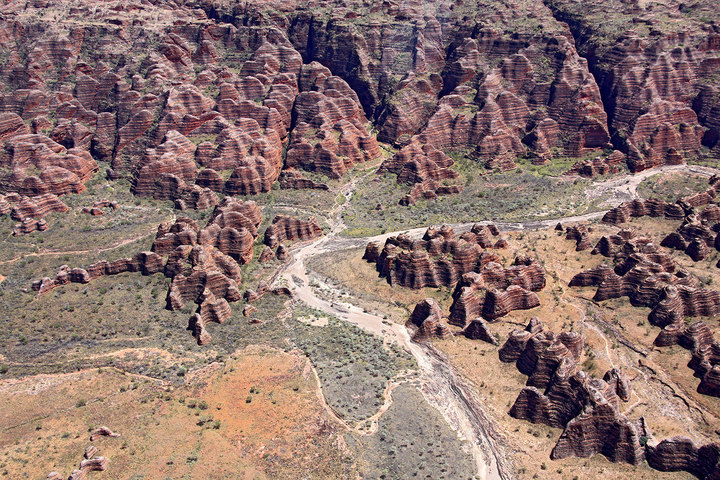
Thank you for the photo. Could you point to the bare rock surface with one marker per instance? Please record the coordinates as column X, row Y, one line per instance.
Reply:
column 561, row 395
column 286, row 228
column 440, row 258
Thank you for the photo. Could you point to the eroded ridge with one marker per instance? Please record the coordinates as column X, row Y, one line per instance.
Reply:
column 203, row 263
column 649, row 277
column 561, row 395
column 440, row 258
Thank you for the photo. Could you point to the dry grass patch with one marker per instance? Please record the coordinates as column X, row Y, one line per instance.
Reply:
column 207, row 429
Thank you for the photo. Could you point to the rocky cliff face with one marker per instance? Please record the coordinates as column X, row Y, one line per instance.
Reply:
column 655, row 68
column 28, row 211
column 522, row 78
column 286, row 228
column 225, row 97
column 646, row 274
column 483, row 287
column 681, row 454
column 495, row 291
column 184, row 109
column 427, row 321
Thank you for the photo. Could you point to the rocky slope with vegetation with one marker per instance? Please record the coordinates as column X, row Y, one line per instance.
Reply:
column 226, row 235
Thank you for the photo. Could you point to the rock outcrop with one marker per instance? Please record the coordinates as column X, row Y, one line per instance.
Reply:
column 90, row 462
column 292, row 179
column 641, row 208
column 424, row 167
column 478, row 329
column 440, row 258
column 494, row 291
column 204, row 264
column 286, row 228
column 182, row 121
column 37, row 165
column 580, row 234
column 28, row 211
column 502, row 110
column 650, row 278
column 330, row 134
column 97, row 207
column 692, row 237
column 598, row 165
column 310, row 84
column 427, row 321
column 699, row 339
column 652, row 76
column 560, row 395
column 683, row 208
column 484, row 288
column 262, row 289
column 682, row 454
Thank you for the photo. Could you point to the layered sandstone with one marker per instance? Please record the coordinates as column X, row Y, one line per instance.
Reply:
column 203, row 263
column 330, row 134
column 699, row 339
column 440, row 258
column 424, row 167
column 560, row 395
column 292, row 179
column 503, row 110
column 262, row 289
column 182, row 121
column 286, row 228
column 682, row 454
column 478, row 329
column 650, row 278
column 493, row 89
column 36, row 207
column 37, row 165
column 640, row 208
column 598, row 165
column 580, row 234
column 653, row 76
column 494, row 291
column 427, row 321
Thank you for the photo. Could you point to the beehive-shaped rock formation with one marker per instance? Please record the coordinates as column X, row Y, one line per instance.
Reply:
column 204, row 264
column 651, row 278
column 289, row 228
column 495, row 291
column 424, row 167
column 580, row 234
column 440, row 258
column 682, row 454
column 427, row 321
column 560, row 395
column 330, row 134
